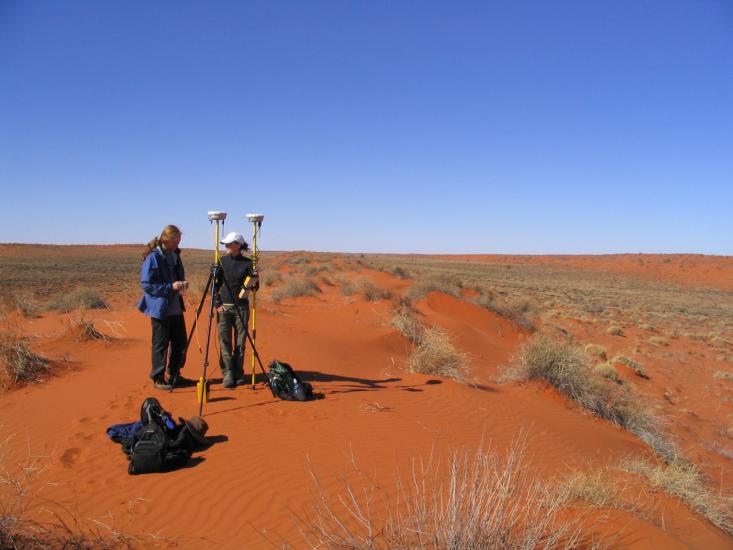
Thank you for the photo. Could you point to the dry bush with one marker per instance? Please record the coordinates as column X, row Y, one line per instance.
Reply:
column 477, row 501
column 565, row 367
column 439, row 282
column 435, row 355
column 348, row 287
column 404, row 320
column 517, row 310
column 683, row 480
column 292, row 288
column 633, row 365
column 20, row 365
column 596, row 351
column 26, row 304
column 607, row 370
column 723, row 375
column 18, row 531
column 80, row 298
column 400, row 272
column 269, row 278
column 596, row 488
column 615, row 330
column 370, row 292
column 85, row 331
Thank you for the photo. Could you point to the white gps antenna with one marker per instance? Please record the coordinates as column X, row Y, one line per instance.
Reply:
column 217, row 215
column 255, row 218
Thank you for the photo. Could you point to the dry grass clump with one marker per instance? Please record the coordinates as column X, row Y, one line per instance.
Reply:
column 434, row 354
column 85, row 331
column 596, row 351
column 565, row 367
column 517, row 310
column 348, row 287
column 440, row 282
column 633, row 365
column 400, row 272
column 615, row 330
column 26, row 304
column 81, row 298
column 269, row 278
column 596, row 488
column 723, row 375
column 292, row 288
column 477, row 500
column 684, row 480
column 370, row 292
column 658, row 341
column 607, row 370
column 17, row 531
column 20, row 365
column 404, row 320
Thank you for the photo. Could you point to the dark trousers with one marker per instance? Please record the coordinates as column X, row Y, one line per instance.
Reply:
column 170, row 331
column 231, row 360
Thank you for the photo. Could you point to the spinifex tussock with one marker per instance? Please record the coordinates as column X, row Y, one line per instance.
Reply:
column 477, row 500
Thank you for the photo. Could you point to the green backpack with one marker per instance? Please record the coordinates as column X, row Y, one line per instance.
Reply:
column 285, row 384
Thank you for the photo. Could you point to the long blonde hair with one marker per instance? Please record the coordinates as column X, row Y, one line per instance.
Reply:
column 169, row 233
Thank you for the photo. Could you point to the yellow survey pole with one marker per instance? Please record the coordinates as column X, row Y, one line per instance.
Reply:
column 254, row 299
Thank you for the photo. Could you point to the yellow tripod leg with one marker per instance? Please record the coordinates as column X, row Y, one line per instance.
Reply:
column 254, row 301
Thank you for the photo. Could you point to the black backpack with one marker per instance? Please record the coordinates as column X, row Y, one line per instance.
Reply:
column 287, row 385
column 159, row 444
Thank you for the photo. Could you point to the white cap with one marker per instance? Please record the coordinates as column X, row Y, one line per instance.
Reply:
column 233, row 237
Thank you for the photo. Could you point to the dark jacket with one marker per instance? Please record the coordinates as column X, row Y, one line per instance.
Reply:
column 157, row 281
column 235, row 270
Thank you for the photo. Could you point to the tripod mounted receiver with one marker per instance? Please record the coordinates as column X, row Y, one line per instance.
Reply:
column 217, row 216
column 255, row 218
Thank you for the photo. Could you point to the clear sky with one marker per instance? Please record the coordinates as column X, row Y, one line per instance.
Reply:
column 570, row 126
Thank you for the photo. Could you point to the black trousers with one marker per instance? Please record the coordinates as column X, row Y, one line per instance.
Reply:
column 170, row 331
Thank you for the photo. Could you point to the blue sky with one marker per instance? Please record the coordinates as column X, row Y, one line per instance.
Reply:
column 452, row 127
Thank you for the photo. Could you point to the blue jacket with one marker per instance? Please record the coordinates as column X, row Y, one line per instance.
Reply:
column 157, row 282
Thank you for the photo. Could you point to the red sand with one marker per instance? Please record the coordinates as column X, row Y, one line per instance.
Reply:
column 233, row 493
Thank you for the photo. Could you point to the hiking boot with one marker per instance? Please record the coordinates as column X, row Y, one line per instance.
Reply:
column 240, row 381
column 181, row 381
column 229, row 382
column 161, row 384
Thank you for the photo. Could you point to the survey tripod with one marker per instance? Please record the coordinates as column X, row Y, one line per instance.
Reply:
column 202, row 387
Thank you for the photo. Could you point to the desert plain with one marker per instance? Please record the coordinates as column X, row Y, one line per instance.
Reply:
column 471, row 401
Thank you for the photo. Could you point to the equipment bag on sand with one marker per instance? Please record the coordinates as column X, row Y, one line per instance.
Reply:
column 159, row 444
column 287, row 385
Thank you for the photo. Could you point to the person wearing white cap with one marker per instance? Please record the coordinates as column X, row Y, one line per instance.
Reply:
column 232, row 307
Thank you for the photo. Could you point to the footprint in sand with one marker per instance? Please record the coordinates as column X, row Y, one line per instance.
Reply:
column 70, row 456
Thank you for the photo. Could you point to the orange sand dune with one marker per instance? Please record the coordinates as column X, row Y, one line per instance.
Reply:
column 232, row 495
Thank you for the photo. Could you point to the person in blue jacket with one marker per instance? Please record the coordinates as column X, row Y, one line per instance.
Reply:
column 163, row 281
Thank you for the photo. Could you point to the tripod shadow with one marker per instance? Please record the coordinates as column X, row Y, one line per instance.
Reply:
column 351, row 384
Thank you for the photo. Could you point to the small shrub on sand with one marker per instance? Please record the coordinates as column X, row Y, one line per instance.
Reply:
column 597, row 488
column 440, row 282
column 607, row 370
column 269, row 278
column 348, row 287
column 26, row 304
column 595, row 350
column 435, row 355
column 517, row 310
column 658, row 341
column 370, row 292
column 633, row 365
column 565, row 367
column 85, row 331
column 475, row 501
column 722, row 375
column 683, row 480
column 20, row 365
column 293, row 288
column 400, row 272
column 404, row 320
column 81, row 298
column 615, row 330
